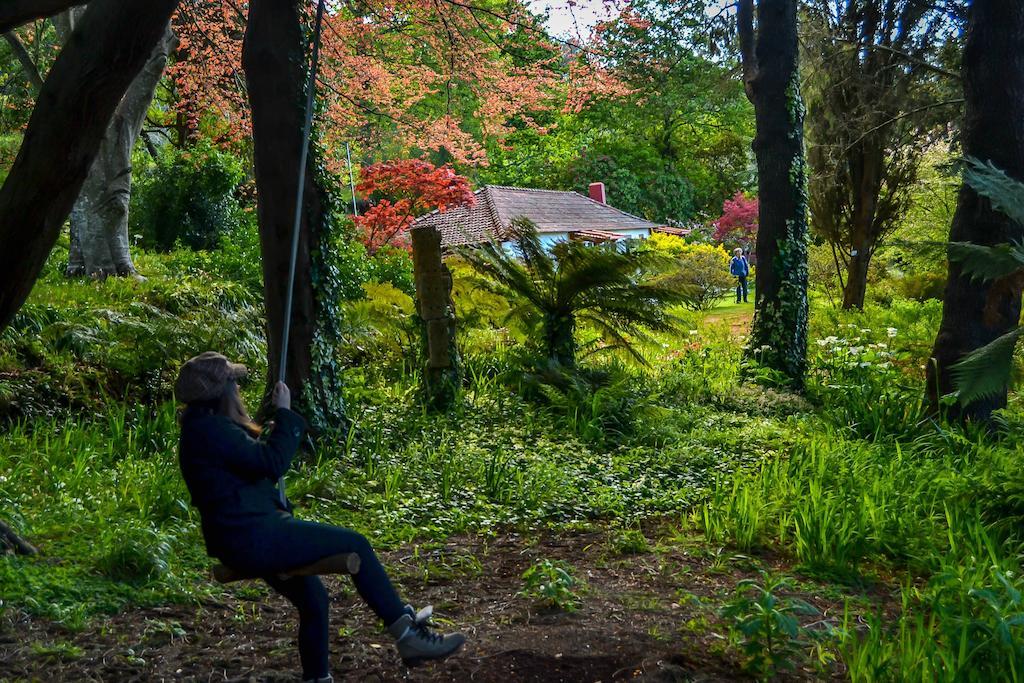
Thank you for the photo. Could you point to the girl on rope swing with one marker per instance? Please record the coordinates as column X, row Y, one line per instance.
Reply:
column 247, row 525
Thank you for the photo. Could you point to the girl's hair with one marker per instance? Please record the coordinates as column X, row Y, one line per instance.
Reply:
column 230, row 405
column 233, row 407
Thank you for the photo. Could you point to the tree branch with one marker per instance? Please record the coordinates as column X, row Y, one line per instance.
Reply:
column 894, row 119
column 14, row 13
column 911, row 59
column 27, row 65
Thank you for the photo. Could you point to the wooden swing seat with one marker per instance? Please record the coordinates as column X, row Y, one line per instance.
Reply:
column 342, row 563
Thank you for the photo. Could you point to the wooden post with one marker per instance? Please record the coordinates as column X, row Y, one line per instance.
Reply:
column 436, row 312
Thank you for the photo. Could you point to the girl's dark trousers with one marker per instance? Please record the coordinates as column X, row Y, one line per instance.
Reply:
column 282, row 542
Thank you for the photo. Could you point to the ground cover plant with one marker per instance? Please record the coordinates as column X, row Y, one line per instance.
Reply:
column 850, row 489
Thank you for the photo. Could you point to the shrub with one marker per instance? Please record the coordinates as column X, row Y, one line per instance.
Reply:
column 737, row 226
column 380, row 325
column 9, row 145
column 630, row 542
column 394, row 267
column 703, row 274
column 187, row 197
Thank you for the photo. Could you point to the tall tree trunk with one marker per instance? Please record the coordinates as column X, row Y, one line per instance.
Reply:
column 99, row 220
column 866, row 167
column 857, row 269
column 274, row 58
column 108, row 49
column 778, row 338
column 975, row 313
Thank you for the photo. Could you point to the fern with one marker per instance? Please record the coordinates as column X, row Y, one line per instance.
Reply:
column 1005, row 193
column 987, row 371
column 987, row 263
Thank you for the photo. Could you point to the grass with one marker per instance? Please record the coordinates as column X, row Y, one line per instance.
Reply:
column 850, row 483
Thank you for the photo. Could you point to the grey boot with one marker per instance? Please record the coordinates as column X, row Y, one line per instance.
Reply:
column 415, row 641
column 423, row 616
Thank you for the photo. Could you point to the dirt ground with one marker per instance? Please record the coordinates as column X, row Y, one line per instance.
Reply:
column 650, row 617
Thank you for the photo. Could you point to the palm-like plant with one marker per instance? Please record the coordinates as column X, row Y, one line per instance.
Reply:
column 988, row 370
column 622, row 295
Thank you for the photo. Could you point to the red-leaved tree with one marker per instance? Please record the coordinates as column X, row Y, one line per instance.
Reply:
column 402, row 190
column 737, row 227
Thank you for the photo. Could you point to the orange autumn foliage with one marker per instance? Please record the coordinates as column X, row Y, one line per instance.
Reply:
column 428, row 76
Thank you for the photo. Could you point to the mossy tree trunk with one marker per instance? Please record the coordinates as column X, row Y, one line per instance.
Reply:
column 436, row 312
column 99, row 220
column 778, row 338
column 975, row 313
column 276, row 67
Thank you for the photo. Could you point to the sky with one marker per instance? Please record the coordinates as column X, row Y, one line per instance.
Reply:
column 572, row 18
column 575, row 18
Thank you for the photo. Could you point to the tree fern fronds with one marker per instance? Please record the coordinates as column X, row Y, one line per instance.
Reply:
column 986, row 371
column 987, row 263
column 1005, row 193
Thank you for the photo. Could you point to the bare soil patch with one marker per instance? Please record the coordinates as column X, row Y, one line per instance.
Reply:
column 651, row 617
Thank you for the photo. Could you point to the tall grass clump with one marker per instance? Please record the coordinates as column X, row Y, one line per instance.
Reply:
column 917, row 498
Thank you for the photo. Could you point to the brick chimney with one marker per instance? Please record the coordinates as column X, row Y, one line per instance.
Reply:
column 597, row 192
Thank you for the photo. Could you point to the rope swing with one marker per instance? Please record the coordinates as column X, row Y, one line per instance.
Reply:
column 342, row 563
column 299, row 196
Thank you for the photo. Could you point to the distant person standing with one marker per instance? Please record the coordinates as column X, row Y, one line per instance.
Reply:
column 739, row 268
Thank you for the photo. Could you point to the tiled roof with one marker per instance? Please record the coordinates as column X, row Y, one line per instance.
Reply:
column 550, row 210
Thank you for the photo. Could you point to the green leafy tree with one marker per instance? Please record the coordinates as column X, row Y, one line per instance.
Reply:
column 674, row 147
column 879, row 93
column 188, row 197
column 621, row 294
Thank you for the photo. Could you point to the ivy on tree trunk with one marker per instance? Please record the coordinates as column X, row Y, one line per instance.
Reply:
column 778, row 338
column 975, row 313
column 276, row 67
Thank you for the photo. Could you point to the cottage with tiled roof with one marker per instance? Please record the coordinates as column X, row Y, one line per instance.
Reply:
column 557, row 215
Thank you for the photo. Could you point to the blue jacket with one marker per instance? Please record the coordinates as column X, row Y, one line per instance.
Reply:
column 739, row 266
column 231, row 476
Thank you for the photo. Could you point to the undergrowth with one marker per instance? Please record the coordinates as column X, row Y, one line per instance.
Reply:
column 851, row 483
